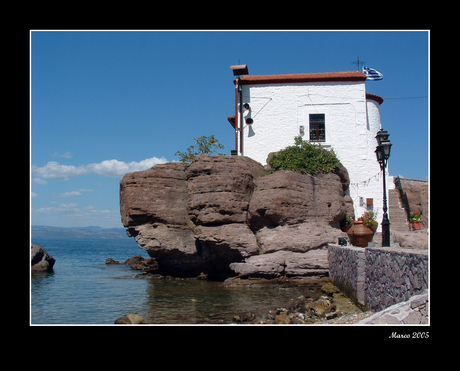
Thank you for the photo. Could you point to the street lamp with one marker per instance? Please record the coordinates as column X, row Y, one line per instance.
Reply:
column 383, row 153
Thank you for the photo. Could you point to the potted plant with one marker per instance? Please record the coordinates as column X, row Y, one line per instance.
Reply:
column 346, row 223
column 359, row 234
column 363, row 229
column 416, row 220
column 369, row 220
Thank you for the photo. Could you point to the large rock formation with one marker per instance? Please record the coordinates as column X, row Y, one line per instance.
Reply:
column 223, row 215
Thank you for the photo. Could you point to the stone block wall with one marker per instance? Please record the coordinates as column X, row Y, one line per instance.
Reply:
column 347, row 271
column 376, row 278
column 394, row 275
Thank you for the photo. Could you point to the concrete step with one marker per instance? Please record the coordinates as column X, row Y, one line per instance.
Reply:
column 397, row 214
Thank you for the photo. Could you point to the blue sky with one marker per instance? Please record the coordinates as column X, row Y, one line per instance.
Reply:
column 106, row 103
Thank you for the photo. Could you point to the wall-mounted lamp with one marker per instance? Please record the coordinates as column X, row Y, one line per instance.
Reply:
column 246, row 106
column 249, row 121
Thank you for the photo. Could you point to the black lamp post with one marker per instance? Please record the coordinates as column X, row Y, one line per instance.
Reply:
column 383, row 153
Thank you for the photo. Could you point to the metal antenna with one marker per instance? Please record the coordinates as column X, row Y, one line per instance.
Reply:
column 358, row 62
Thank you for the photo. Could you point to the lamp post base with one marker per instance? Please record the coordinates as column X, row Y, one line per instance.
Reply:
column 385, row 231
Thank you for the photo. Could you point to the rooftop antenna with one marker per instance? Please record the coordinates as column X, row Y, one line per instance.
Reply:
column 358, row 62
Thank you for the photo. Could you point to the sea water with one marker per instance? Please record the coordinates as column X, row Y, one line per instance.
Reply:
column 84, row 290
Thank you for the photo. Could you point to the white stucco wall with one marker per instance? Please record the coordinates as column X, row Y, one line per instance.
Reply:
column 278, row 111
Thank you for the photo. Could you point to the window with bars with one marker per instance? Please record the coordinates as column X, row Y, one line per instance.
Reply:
column 317, row 127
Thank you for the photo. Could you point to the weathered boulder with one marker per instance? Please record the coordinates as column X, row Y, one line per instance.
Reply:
column 219, row 246
column 267, row 265
column 412, row 240
column 41, row 261
column 173, row 246
column 156, row 195
column 288, row 197
column 220, row 188
column 298, row 238
column 284, row 263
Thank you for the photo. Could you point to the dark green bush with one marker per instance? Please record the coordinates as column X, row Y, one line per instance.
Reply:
column 305, row 156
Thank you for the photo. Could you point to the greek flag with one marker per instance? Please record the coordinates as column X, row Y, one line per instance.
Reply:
column 372, row 74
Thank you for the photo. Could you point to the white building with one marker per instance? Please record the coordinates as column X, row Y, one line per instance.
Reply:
column 332, row 109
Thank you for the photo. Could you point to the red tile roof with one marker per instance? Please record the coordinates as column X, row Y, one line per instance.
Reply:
column 377, row 98
column 302, row 77
column 232, row 121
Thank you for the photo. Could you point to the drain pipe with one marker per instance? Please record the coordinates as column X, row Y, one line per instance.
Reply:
column 237, row 87
column 238, row 116
column 240, row 90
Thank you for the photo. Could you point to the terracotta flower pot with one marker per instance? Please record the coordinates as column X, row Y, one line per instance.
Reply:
column 373, row 229
column 359, row 234
column 416, row 226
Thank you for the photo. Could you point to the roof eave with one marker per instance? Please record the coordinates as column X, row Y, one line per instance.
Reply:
column 302, row 77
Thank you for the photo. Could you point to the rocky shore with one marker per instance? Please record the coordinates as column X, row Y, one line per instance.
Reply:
column 319, row 302
column 325, row 306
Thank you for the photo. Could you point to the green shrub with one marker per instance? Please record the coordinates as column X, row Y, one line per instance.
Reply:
column 305, row 156
column 205, row 145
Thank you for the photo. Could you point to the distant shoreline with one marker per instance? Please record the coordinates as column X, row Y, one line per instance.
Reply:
column 77, row 232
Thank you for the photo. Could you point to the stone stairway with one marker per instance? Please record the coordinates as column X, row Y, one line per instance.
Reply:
column 396, row 212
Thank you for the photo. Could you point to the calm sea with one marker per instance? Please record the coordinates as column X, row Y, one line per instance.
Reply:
column 84, row 290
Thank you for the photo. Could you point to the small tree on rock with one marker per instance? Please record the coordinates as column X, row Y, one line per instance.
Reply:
column 204, row 145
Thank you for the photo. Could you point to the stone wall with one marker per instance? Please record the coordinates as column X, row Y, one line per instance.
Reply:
column 347, row 271
column 377, row 278
column 393, row 275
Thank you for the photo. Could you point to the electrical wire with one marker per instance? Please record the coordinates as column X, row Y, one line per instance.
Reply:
column 407, row 98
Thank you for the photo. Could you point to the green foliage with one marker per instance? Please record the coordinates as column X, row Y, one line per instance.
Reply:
column 205, row 145
column 369, row 218
column 305, row 156
column 416, row 217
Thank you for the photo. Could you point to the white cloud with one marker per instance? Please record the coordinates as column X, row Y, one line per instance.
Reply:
column 107, row 168
column 40, row 181
column 62, row 208
column 77, row 192
column 53, row 170
column 33, row 194
column 66, row 154
column 67, row 194
column 92, row 209
column 115, row 168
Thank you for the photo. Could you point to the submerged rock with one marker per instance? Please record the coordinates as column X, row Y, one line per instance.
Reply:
column 321, row 307
column 131, row 319
column 137, row 262
column 110, row 261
